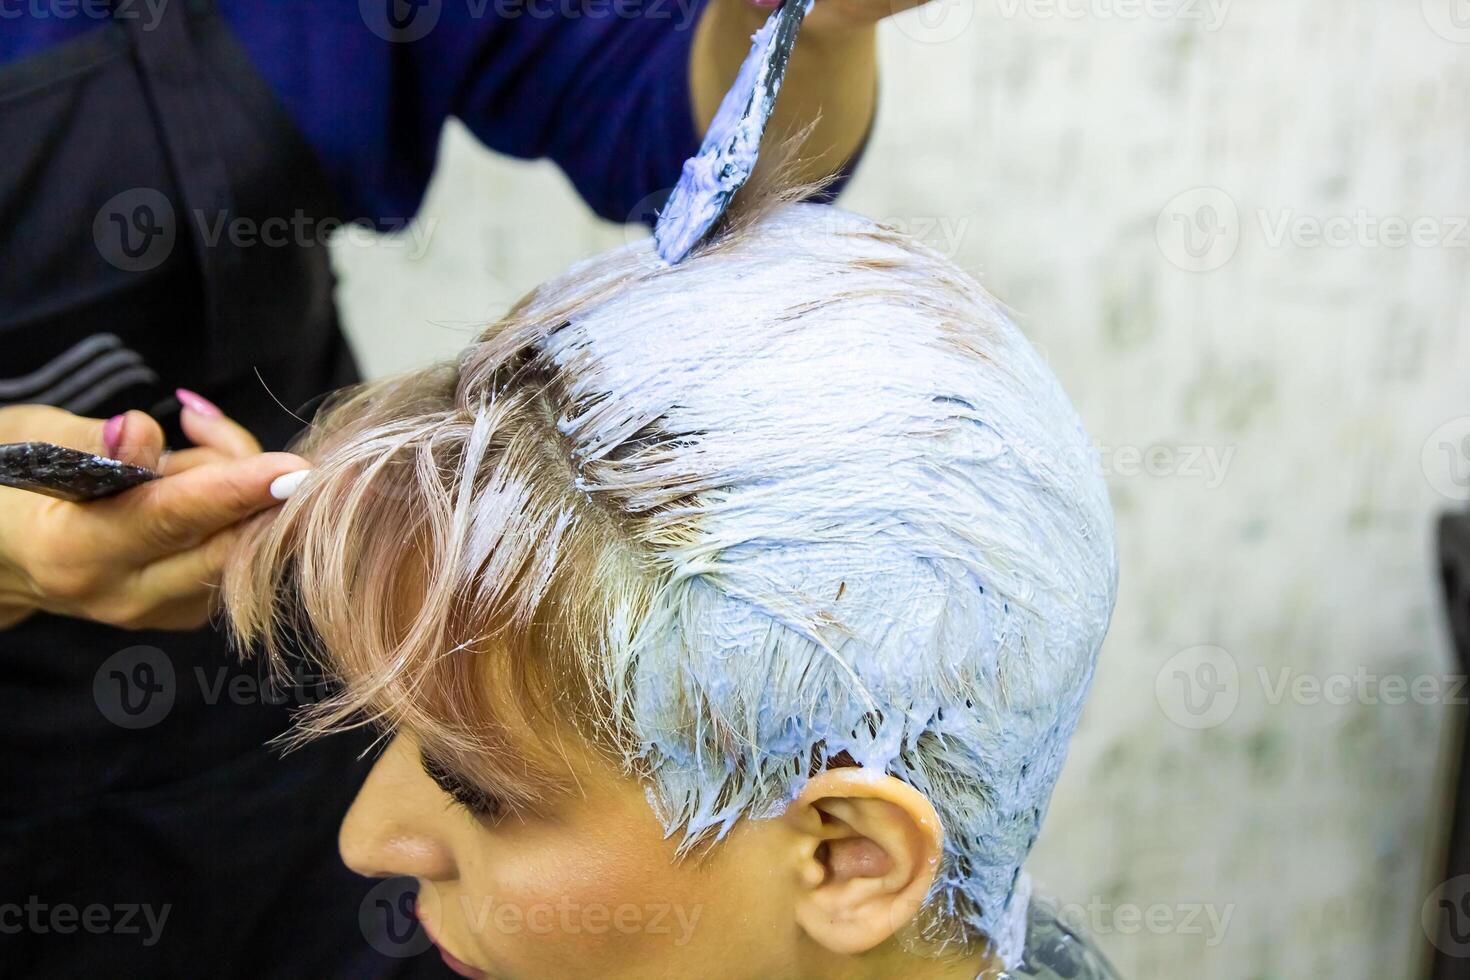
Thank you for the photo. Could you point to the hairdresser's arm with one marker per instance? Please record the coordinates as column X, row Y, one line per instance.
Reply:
column 833, row 73
column 619, row 98
column 147, row 558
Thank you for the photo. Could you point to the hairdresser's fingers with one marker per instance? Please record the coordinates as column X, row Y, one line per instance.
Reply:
column 185, row 614
column 180, row 511
column 185, row 610
column 189, row 578
column 135, row 609
column 179, row 460
column 133, row 437
column 205, row 425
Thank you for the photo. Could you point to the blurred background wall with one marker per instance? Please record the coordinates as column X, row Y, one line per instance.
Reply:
column 1238, row 231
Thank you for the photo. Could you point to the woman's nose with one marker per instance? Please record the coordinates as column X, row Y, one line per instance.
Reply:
column 392, row 826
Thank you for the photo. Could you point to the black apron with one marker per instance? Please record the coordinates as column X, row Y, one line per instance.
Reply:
column 145, row 828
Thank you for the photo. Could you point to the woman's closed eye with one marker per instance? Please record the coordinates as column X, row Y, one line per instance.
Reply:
column 480, row 803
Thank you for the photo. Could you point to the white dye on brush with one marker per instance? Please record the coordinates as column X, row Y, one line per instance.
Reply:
column 872, row 521
column 728, row 154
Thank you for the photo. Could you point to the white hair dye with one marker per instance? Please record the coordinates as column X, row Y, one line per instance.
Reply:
column 728, row 153
column 873, row 522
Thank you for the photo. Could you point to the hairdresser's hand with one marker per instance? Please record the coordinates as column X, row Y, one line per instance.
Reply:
column 830, row 92
column 149, row 557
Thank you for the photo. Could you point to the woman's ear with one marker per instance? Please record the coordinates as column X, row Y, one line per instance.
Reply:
column 869, row 847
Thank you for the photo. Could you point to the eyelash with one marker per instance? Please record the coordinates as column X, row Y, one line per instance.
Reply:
column 479, row 803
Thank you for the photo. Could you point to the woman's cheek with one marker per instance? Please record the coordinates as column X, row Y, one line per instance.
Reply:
column 586, row 902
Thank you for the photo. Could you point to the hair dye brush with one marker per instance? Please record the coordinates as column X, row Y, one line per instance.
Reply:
column 727, row 156
column 66, row 473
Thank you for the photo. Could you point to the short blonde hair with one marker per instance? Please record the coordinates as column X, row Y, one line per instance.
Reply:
column 807, row 495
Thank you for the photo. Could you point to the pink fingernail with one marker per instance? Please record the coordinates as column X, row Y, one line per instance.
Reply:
column 112, row 434
column 196, row 402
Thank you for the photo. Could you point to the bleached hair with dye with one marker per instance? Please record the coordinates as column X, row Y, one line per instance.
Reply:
column 807, row 498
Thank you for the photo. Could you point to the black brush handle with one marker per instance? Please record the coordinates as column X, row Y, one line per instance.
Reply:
column 788, row 25
column 69, row 474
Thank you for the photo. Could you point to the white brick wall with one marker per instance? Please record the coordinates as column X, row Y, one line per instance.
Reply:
column 1279, row 403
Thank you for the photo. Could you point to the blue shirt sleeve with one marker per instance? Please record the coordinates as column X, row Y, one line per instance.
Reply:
column 601, row 87
column 603, row 93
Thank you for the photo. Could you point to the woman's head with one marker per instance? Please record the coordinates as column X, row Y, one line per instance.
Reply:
column 795, row 554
